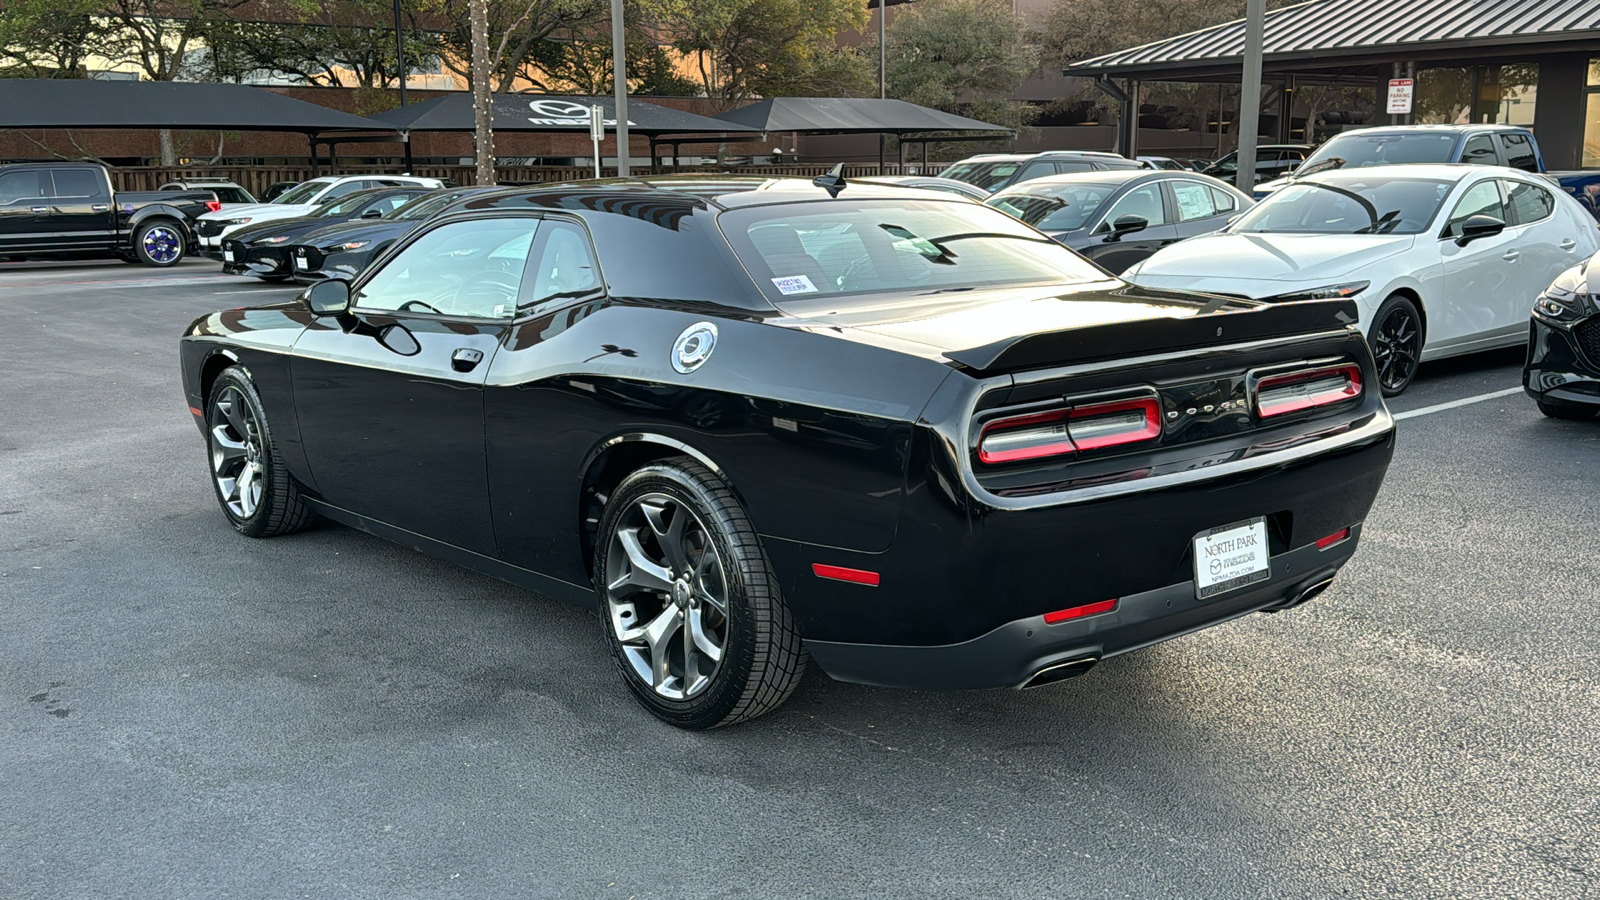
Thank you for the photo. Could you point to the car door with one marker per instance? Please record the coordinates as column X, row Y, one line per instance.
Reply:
column 1115, row 253
column 1480, row 279
column 390, row 397
column 24, row 206
column 80, row 209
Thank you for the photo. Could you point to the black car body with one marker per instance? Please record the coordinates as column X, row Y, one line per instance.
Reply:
column 998, row 171
column 1118, row 218
column 343, row 250
column 263, row 250
column 962, row 459
column 1563, row 369
column 934, row 183
column 70, row 211
column 1272, row 161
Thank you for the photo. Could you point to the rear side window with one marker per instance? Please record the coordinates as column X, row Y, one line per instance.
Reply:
column 1519, row 152
column 1037, row 170
column 563, row 269
column 349, row 187
column 1195, row 200
column 79, row 183
column 1529, row 202
column 1065, row 167
column 1225, row 202
column 1479, row 151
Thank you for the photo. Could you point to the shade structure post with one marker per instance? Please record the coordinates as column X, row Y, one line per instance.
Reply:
column 1250, row 93
column 482, row 93
column 619, row 78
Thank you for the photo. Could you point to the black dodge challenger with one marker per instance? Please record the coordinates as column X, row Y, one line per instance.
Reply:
column 756, row 422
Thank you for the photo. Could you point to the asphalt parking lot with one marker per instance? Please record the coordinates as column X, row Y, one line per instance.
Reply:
column 188, row 713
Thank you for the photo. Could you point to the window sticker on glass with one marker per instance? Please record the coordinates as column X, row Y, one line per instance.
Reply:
column 795, row 284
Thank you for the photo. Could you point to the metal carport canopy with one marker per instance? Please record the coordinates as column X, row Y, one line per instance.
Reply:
column 548, row 113
column 88, row 103
column 848, row 115
column 1333, row 35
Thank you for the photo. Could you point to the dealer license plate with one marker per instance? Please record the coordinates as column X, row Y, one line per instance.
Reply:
column 300, row 262
column 1231, row 557
column 227, row 256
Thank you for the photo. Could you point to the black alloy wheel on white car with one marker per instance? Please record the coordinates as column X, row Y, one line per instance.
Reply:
column 691, row 608
column 1396, row 340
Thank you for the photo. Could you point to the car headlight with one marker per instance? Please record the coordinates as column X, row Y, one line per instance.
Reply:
column 243, row 221
column 1327, row 292
column 272, row 240
column 348, row 245
column 1559, row 306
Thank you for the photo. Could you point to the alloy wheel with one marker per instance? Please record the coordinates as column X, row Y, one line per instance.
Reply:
column 237, row 462
column 667, row 596
column 1396, row 346
column 161, row 244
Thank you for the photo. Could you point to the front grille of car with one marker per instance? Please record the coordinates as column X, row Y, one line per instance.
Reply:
column 208, row 228
column 1588, row 334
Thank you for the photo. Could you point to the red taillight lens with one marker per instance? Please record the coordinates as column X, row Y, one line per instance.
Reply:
column 1279, row 395
column 1330, row 540
column 213, row 206
column 1078, row 612
column 1058, row 432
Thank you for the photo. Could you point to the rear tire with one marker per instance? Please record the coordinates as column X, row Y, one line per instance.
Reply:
column 1574, row 412
column 256, row 492
column 690, row 606
column 159, row 243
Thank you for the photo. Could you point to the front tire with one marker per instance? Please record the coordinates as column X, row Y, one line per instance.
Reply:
column 159, row 243
column 1396, row 339
column 691, row 608
column 1573, row 412
column 252, row 485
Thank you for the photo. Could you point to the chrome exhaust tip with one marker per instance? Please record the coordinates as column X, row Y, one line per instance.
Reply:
column 1060, row 671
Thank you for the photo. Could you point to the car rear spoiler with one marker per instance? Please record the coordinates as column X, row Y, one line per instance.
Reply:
column 1143, row 337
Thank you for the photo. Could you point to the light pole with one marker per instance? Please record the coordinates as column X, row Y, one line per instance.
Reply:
column 400, row 67
column 619, row 78
column 1250, row 93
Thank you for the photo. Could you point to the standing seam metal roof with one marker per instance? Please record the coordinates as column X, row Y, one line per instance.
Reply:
column 1334, row 25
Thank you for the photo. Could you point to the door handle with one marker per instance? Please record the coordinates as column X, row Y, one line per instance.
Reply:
column 41, row 210
column 466, row 359
column 100, row 207
column 1511, row 256
column 1568, row 243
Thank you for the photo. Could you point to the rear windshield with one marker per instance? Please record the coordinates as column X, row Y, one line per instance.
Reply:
column 1064, row 207
column 988, row 176
column 345, row 207
column 841, row 248
column 1348, row 206
column 1359, row 150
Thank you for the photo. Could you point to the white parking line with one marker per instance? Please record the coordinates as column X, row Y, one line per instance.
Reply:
column 1441, row 407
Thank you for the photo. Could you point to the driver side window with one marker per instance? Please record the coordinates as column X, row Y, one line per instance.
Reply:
column 1482, row 199
column 473, row 268
column 1141, row 201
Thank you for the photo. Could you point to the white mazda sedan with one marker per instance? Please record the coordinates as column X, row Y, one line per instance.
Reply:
column 1441, row 259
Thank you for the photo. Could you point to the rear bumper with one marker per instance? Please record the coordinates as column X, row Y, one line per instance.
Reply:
column 1557, row 369
column 1014, row 653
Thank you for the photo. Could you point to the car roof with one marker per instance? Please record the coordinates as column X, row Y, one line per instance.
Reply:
column 1017, row 157
column 720, row 192
column 1106, row 177
column 1424, row 129
column 1434, row 171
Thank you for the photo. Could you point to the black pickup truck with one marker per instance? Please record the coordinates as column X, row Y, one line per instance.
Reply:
column 70, row 211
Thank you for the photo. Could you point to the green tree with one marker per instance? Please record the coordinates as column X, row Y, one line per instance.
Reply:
column 337, row 43
column 48, row 38
column 962, row 56
column 515, row 29
column 584, row 67
column 744, row 49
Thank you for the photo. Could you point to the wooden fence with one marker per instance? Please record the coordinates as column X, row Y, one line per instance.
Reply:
column 256, row 179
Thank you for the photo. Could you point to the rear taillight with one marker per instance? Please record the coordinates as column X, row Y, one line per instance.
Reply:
column 1058, row 432
column 213, row 206
column 1290, row 392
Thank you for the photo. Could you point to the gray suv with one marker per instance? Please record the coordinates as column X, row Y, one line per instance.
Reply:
column 995, row 171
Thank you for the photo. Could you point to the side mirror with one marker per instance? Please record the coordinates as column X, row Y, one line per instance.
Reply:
column 1475, row 227
column 328, row 298
column 372, row 214
column 1127, row 225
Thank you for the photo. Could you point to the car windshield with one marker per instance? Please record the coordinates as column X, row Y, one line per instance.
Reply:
column 300, row 193
column 1054, row 207
column 987, row 175
column 344, row 207
column 1348, row 206
column 1358, row 150
column 423, row 206
column 842, row 248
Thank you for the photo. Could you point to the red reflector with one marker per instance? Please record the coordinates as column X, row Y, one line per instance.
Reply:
column 1330, row 540
column 1282, row 394
column 1118, row 422
column 196, row 411
column 1078, row 612
column 213, row 206
column 840, row 573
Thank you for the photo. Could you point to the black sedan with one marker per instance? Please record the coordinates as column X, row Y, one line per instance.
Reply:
column 756, row 422
column 1118, row 218
column 342, row 250
column 1563, row 369
column 263, row 250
